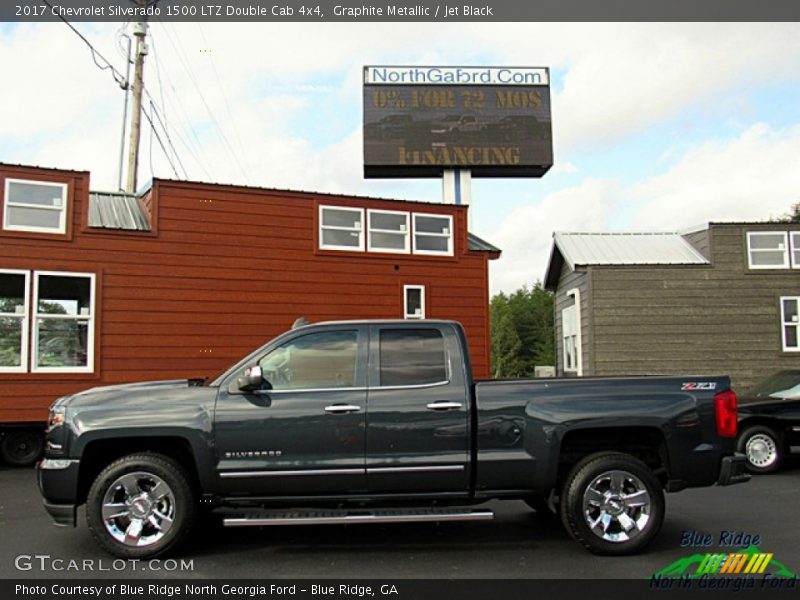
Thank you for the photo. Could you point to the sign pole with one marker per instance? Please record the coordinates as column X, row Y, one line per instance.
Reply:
column 457, row 189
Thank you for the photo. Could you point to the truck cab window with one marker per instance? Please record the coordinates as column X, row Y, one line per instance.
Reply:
column 313, row 361
column 412, row 357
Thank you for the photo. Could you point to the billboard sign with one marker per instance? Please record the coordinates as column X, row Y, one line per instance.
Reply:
column 494, row 121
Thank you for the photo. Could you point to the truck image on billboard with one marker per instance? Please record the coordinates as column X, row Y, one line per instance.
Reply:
column 420, row 121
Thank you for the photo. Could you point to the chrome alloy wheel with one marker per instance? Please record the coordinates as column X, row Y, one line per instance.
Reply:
column 761, row 450
column 616, row 506
column 138, row 509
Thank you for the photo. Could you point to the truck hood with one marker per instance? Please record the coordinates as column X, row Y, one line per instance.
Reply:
column 128, row 392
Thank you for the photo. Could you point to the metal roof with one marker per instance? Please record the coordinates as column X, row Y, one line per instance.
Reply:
column 113, row 210
column 594, row 249
column 476, row 243
column 626, row 249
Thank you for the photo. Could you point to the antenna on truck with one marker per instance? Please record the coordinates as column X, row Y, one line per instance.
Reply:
column 300, row 322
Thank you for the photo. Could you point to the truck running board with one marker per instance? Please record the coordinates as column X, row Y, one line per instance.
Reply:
column 339, row 517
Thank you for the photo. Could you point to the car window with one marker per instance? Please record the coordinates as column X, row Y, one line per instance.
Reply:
column 785, row 384
column 412, row 357
column 318, row 360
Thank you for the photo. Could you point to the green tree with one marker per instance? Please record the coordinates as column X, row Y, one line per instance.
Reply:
column 793, row 216
column 505, row 341
column 530, row 312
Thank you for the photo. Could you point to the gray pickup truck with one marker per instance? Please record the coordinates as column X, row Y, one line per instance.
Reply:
column 380, row 421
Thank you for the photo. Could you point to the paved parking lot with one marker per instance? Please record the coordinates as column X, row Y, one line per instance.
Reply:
column 518, row 544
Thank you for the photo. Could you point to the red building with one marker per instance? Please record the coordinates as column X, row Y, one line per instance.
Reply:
column 182, row 281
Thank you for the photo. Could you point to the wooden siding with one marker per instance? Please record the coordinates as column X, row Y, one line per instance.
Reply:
column 719, row 319
column 568, row 281
column 229, row 268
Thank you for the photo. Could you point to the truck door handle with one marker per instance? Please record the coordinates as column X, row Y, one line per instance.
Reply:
column 444, row 405
column 342, row 408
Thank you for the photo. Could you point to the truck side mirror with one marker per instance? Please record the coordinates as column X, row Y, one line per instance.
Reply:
column 252, row 379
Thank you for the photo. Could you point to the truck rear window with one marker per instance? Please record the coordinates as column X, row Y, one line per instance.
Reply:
column 412, row 357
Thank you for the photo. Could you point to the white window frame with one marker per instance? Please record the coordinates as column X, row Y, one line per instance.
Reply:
column 63, row 209
column 794, row 249
column 407, row 232
column 406, row 314
column 25, row 320
column 574, row 308
column 785, row 323
column 359, row 229
column 750, row 250
column 448, row 235
column 90, row 319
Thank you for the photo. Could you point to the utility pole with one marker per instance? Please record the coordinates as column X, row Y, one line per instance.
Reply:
column 126, row 87
column 139, row 32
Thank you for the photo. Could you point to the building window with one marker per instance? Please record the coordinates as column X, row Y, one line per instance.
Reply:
column 35, row 206
column 388, row 231
column 767, row 250
column 414, row 302
column 341, row 228
column 794, row 242
column 790, row 320
column 571, row 334
column 412, row 357
column 13, row 321
column 433, row 234
column 63, row 322
column 59, row 321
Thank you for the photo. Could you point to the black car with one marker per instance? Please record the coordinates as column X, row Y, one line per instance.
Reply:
column 769, row 421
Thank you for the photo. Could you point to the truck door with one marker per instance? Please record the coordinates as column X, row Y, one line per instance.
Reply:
column 417, row 411
column 304, row 433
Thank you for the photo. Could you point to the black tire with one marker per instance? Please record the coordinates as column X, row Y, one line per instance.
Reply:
column 21, row 447
column 595, row 491
column 762, row 447
column 128, row 531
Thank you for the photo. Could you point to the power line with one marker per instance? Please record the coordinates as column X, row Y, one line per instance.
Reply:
column 224, row 95
column 183, row 117
column 118, row 77
column 154, row 111
column 160, row 143
column 223, row 137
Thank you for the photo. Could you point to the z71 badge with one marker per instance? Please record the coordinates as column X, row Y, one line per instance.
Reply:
column 697, row 386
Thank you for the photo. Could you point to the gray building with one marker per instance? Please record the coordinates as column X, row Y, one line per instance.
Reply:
column 721, row 300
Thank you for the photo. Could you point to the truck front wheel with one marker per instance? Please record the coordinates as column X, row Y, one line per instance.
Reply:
column 140, row 506
column 612, row 504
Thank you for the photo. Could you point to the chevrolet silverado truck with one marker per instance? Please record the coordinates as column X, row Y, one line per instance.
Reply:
column 375, row 422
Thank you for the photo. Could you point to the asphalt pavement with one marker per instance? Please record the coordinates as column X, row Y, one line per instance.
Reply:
column 519, row 543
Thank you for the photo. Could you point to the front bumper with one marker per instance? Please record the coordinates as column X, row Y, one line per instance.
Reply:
column 733, row 470
column 58, row 484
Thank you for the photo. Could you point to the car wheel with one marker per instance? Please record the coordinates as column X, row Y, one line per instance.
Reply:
column 21, row 447
column 762, row 447
column 612, row 504
column 140, row 506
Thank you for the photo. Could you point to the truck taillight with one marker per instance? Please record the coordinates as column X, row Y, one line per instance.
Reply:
column 725, row 409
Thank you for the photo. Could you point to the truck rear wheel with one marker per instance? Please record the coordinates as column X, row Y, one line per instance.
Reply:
column 140, row 506
column 612, row 504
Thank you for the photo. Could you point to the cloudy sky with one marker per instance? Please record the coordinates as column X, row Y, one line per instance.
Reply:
column 656, row 126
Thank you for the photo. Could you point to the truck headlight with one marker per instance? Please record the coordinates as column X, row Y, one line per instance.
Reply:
column 57, row 416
